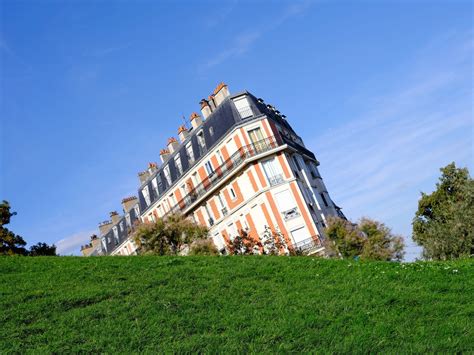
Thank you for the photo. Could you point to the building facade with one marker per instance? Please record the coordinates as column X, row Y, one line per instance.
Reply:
column 240, row 166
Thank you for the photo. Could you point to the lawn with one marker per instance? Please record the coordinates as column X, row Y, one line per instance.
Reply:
column 234, row 304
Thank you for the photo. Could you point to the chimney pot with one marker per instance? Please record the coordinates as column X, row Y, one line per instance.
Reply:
column 115, row 217
column 196, row 120
column 164, row 154
column 173, row 145
column 220, row 93
column 182, row 133
column 128, row 203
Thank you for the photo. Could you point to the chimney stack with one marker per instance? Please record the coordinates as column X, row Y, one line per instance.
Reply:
column 143, row 176
column 220, row 93
column 164, row 154
column 205, row 108
column 152, row 167
column 128, row 203
column 173, row 145
column 104, row 227
column 196, row 120
column 182, row 133
column 212, row 103
column 115, row 217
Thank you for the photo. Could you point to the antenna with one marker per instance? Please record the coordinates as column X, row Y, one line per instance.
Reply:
column 185, row 121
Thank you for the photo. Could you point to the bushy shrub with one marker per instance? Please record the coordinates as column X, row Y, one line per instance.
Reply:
column 203, row 247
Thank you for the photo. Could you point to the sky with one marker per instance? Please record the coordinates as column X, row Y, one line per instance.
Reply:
column 380, row 91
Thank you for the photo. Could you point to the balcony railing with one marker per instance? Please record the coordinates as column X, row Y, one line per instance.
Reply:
column 230, row 165
column 276, row 179
column 308, row 246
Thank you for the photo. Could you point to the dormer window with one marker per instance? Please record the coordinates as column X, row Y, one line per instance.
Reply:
column 146, row 195
column 177, row 163
column 243, row 107
column 166, row 171
column 189, row 152
column 201, row 141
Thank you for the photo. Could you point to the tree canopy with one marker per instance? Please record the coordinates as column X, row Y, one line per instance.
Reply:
column 168, row 236
column 444, row 222
column 10, row 243
column 42, row 249
column 368, row 239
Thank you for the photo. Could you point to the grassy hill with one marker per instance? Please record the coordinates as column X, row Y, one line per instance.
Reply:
column 234, row 304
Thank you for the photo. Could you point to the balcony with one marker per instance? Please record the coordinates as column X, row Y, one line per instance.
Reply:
column 308, row 246
column 225, row 169
column 276, row 179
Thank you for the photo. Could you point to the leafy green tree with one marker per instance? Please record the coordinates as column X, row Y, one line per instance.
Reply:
column 42, row 249
column 368, row 239
column 444, row 222
column 168, row 236
column 10, row 243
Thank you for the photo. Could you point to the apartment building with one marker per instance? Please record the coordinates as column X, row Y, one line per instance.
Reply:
column 240, row 166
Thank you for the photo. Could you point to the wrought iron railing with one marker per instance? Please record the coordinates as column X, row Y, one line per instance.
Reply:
column 276, row 179
column 227, row 167
column 307, row 245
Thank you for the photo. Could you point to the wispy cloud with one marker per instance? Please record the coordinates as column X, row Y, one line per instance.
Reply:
column 72, row 244
column 377, row 163
column 243, row 42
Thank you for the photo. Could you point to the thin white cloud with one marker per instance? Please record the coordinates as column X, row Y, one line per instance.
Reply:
column 242, row 42
column 376, row 164
column 72, row 244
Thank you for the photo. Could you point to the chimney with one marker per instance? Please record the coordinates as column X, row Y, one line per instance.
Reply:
column 152, row 167
column 182, row 133
column 104, row 227
column 220, row 93
column 212, row 103
column 164, row 154
column 115, row 217
column 173, row 145
column 205, row 108
column 128, row 203
column 95, row 241
column 196, row 120
column 143, row 176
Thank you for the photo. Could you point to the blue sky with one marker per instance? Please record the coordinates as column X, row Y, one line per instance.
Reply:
column 90, row 91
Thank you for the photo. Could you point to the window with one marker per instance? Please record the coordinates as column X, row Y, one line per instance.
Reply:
column 137, row 210
column 166, row 171
column 272, row 171
column 189, row 152
column 299, row 234
column 211, row 220
column 160, row 183
column 255, row 135
column 195, row 180
column 232, row 193
column 146, row 195
column 173, row 200
column 221, row 203
column 243, row 107
column 219, row 155
column 211, row 131
column 104, row 245
column 151, row 216
column 116, row 236
column 286, row 204
column 201, row 141
column 295, row 159
column 209, row 168
column 324, row 199
column 154, row 183
column 127, row 219
column 177, row 163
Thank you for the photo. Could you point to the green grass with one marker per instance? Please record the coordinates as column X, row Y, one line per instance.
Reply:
column 234, row 304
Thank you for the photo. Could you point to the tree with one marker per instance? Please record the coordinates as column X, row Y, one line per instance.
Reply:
column 203, row 247
column 10, row 243
column 444, row 222
column 273, row 242
column 42, row 249
column 368, row 239
column 168, row 236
